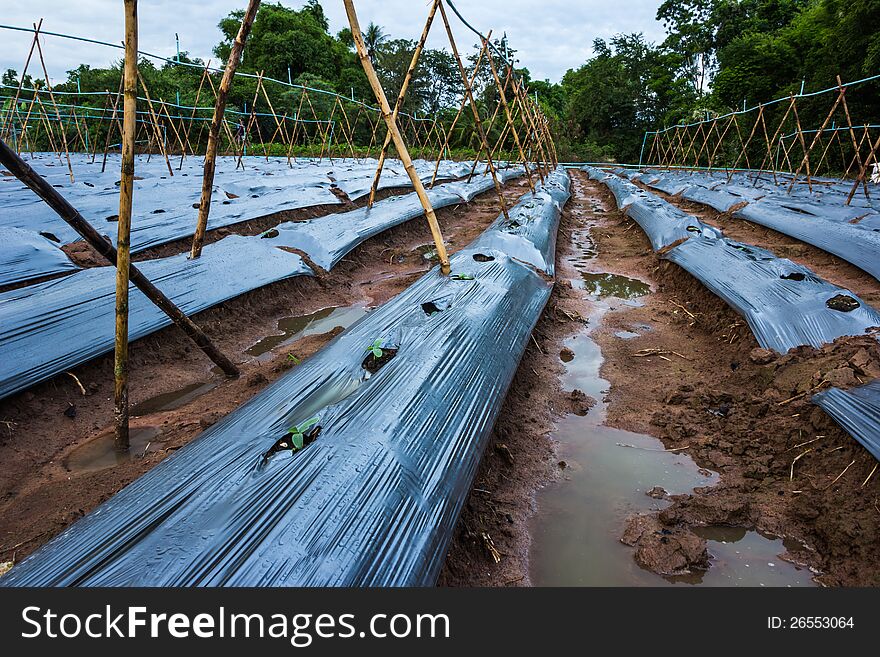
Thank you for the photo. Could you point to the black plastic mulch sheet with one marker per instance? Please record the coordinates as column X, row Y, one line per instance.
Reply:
column 816, row 216
column 857, row 410
column 663, row 223
column 328, row 239
column 530, row 233
column 48, row 328
column 28, row 255
column 373, row 501
column 165, row 208
column 785, row 304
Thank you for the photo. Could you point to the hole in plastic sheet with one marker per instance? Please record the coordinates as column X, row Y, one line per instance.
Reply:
column 793, row 276
column 693, row 229
column 373, row 364
column 196, row 206
column 285, row 443
column 58, row 186
column 842, row 303
column 255, row 196
column 269, row 234
column 113, row 217
column 50, row 236
column 159, row 211
column 431, row 308
column 226, row 203
column 88, row 184
column 482, row 257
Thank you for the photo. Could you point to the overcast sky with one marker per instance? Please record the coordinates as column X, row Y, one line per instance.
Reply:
column 551, row 35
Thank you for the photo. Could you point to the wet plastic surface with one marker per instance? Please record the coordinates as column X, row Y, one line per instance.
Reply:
column 785, row 304
column 48, row 328
column 857, row 410
column 817, row 216
column 372, row 501
column 165, row 208
column 27, row 255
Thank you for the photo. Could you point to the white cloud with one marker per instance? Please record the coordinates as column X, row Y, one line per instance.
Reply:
column 550, row 35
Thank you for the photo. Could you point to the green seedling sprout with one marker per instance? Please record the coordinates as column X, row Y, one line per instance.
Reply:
column 297, row 433
column 376, row 348
column 462, row 277
column 293, row 359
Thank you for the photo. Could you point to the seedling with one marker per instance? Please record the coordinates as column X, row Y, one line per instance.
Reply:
column 462, row 277
column 376, row 348
column 297, row 433
column 295, row 438
column 293, row 359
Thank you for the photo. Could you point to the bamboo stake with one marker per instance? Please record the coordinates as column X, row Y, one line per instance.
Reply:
column 214, row 133
column 464, row 102
column 24, row 71
column 526, row 111
column 516, row 139
column 396, row 137
column 55, row 105
column 863, row 169
column 113, row 119
column 158, row 131
column 123, row 239
column 296, row 122
column 851, row 133
column 476, row 112
column 193, row 115
column 400, row 98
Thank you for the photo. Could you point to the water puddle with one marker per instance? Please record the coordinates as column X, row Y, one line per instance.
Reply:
column 607, row 474
column 294, row 328
column 100, row 453
column 604, row 285
column 168, row 401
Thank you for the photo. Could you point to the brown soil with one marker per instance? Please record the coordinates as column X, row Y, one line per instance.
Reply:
column 39, row 497
column 787, row 468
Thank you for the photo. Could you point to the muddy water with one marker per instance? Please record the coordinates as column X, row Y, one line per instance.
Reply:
column 294, row 328
column 575, row 534
column 168, row 401
column 101, row 453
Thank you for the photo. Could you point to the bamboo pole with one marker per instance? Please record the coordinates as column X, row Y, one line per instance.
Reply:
column 211, row 153
column 476, row 112
column 399, row 144
column 158, row 130
column 504, row 104
column 123, row 239
column 55, row 105
column 24, row 71
column 871, row 156
column 193, row 115
column 114, row 118
column 851, row 133
column 103, row 116
column 404, row 87
column 251, row 118
column 464, row 101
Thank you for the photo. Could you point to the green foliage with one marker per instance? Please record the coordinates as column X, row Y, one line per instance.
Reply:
column 376, row 348
column 297, row 433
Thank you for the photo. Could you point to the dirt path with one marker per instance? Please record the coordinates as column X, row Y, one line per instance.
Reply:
column 786, row 468
column 48, row 476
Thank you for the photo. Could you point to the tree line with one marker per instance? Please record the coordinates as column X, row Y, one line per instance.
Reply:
column 718, row 55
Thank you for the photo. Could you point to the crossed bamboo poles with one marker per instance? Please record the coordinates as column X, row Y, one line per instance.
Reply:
column 719, row 143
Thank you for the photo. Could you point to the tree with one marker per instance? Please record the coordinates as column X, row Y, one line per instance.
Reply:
column 374, row 38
